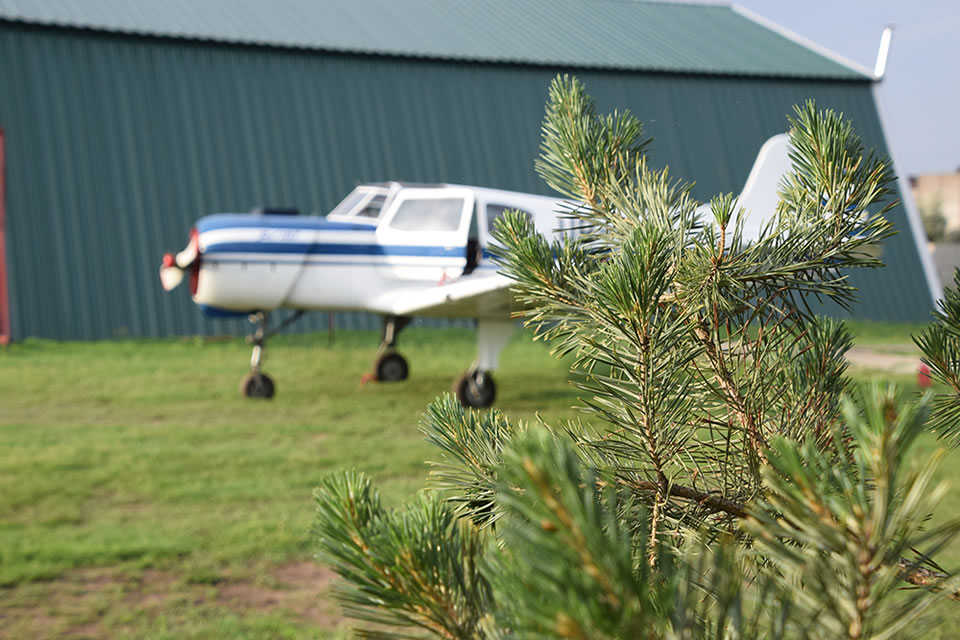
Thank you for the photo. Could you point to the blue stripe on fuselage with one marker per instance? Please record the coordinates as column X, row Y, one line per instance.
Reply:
column 217, row 312
column 217, row 260
column 246, row 221
column 309, row 248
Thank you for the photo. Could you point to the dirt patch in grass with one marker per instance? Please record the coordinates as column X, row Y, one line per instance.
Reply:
column 70, row 606
column 102, row 603
column 302, row 588
column 888, row 360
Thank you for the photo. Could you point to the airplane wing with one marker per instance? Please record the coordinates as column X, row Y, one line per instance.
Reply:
column 481, row 296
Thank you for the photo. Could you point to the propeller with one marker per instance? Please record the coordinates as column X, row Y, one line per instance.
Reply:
column 173, row 266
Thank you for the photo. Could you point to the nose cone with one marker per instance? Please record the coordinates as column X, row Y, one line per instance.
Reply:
column 170, row 276
column 172, row 266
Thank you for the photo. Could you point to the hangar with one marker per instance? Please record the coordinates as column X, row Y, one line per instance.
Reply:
column 125, row 120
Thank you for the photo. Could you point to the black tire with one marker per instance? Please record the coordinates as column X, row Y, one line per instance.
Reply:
column 257, row 386
column 475, row 391
column 391, row 367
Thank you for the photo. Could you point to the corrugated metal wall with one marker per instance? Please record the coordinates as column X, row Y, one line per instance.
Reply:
column 115, row 145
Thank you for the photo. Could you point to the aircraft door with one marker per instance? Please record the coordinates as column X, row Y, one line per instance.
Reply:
column 423, row 236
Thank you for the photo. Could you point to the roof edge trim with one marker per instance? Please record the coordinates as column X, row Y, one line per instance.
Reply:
column 451, row 58
column 860, row 74
column 809, row 44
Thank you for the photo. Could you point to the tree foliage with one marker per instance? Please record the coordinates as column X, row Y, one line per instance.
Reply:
column 940, row 345
column 725, row 478
column 934, row 222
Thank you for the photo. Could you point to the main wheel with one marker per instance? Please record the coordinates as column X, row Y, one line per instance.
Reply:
column 475, row 389
column 257, row 385
column 391, row 367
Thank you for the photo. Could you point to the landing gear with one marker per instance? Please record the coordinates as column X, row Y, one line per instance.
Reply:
column 390, row 366
column 475, row 389
column 257, row 384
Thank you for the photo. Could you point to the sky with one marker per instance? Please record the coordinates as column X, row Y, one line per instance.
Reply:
column 919, row 96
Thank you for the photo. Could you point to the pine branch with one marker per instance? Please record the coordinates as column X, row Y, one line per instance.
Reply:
column 414, row 568
column 472, row 445
column 562, row 539
column 709, row 501
column 855, row 519
column 927, row 578
column 940, row 345
column 731, row 392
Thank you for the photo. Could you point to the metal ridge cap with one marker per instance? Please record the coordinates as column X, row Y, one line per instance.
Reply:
column 420, row 54
column 804, row 42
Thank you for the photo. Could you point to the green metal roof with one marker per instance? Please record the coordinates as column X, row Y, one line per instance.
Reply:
column 609, row 34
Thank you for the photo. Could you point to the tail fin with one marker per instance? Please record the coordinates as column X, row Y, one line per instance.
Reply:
column 759, row 195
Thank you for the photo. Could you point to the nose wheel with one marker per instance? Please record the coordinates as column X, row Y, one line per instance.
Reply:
column 257, row 384
column 475, row 389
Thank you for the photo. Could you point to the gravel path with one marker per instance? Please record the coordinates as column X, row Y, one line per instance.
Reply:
column 892, row 358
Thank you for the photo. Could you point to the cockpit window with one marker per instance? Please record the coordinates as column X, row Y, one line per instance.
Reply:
column 363, row 202
column 372, row 208
column 435, row 214
column 495, row 211
column 349, row 203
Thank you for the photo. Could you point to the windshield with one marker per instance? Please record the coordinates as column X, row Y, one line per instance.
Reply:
column 434, row 214
column 372, row 208
column 350, row 203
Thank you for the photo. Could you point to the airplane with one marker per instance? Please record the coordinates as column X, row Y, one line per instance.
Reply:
column 398, row 250
column 395, row 249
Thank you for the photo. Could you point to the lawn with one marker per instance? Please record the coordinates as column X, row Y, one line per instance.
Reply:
column 140, row 495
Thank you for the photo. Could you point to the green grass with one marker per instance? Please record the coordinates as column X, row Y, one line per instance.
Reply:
column 878, row 334
column 141, row 458
column 140, row 495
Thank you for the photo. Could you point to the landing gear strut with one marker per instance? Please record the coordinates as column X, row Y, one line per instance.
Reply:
column 390, row 366
column 476, row 388
column 257, row 384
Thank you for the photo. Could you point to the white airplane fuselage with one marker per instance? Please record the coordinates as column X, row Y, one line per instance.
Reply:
column 262, row 262
column 268, row 262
